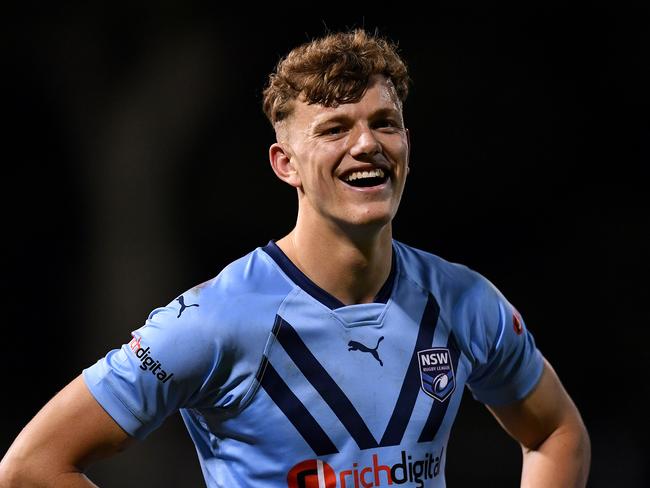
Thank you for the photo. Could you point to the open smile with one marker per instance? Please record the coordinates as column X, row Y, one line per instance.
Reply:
column 366, row 178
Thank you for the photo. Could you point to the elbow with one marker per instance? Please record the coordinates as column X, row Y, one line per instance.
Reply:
column 583, row 450
column 10, row 474
column 578, row 454
column 17, row 472
column 579, row 444
column 572, row 446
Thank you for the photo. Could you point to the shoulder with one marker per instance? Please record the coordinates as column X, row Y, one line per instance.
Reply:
column 242, row 289
column 488, row 330
column 437, row 275
column 469, row 303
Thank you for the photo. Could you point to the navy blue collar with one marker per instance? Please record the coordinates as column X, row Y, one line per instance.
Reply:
column 330, row 301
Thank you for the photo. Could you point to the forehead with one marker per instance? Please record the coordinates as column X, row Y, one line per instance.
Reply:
column 380, row 96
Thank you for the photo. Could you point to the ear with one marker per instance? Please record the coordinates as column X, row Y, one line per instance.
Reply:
column 408, row 146
column 281, row 161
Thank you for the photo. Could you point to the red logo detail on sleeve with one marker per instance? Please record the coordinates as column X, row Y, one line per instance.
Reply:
column 516, row 322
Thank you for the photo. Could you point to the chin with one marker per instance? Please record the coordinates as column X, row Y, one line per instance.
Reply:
column 369, row 220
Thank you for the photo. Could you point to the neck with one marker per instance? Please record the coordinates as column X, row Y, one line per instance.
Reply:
column 352, row 265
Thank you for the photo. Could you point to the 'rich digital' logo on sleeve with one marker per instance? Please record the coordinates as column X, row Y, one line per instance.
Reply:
column 148, row 362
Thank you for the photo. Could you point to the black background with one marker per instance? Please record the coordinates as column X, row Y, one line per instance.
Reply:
column 135, row 166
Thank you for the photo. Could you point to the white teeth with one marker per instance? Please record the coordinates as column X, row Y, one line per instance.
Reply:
column 357, row 175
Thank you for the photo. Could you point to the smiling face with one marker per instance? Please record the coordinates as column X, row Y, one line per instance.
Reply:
column 348, row 163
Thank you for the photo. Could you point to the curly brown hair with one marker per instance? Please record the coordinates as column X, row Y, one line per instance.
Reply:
column 332, row 70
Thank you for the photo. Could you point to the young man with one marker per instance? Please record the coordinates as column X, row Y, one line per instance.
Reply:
column 336, row 356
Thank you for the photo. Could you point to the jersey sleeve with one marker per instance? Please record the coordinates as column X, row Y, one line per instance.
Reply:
column 170, row 363
column 506, row 362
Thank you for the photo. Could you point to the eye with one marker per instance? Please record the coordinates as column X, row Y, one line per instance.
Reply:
column 332, row 131
column 387, row 123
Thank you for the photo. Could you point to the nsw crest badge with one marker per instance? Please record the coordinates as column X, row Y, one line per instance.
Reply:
column 437, row 373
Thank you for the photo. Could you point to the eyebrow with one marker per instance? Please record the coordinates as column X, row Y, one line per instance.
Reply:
column 382, row 112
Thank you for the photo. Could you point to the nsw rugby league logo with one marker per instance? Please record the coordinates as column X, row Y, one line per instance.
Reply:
column 437, row 373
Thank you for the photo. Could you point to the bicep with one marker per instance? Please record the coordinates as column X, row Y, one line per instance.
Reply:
column 546, row 410
column 68, row 433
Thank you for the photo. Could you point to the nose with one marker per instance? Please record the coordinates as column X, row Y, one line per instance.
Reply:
column 365, row 144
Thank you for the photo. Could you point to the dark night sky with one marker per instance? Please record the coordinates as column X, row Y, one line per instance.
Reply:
column 136, row 166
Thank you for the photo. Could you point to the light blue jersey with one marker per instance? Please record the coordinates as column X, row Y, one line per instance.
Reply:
column 282, row 385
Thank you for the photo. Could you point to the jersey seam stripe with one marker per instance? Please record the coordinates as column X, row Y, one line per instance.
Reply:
column 502, row 321
column 254, row 386
column 259, row 374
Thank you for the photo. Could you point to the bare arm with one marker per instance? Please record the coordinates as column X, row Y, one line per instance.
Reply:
column 553, row 438
column 71, row 431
